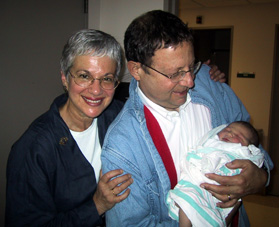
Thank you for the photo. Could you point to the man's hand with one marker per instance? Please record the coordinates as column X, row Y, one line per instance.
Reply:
column 108, row 190
column 233, row 212
column 215, row 73
column 252, row 179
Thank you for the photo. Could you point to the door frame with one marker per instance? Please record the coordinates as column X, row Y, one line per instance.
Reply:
column 231, row 45
column 273, row 188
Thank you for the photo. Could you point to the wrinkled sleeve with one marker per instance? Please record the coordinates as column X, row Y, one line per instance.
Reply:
column 135, row 210
column 142, row 207
column 31, row 187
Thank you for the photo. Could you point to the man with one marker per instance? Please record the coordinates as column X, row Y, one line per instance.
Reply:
column 166, row 114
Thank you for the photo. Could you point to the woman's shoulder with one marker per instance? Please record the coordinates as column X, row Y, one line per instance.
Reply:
column 41, row 130
column 44, row 128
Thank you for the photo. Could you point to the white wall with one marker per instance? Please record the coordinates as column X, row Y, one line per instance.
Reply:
column 252, row 51
column 115, row 16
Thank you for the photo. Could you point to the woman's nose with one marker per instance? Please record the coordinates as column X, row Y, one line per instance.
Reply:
column 95, row 87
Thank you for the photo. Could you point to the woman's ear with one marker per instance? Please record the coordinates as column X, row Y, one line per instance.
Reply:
column 64, row 81
column 135, row 69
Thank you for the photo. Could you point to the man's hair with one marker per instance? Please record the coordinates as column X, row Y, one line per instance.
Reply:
column 254, row 139
column 152, row 31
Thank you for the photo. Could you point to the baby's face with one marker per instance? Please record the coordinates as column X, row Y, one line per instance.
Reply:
column 235, row 133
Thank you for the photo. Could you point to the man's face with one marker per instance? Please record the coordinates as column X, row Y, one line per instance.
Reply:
column 160, row 89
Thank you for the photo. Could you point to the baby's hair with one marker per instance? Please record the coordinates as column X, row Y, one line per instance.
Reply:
column 255, row 139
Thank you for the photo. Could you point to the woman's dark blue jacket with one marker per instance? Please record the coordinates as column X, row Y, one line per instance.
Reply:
column 49, row 181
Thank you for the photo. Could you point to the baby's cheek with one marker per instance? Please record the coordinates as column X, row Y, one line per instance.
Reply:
column 237, row 140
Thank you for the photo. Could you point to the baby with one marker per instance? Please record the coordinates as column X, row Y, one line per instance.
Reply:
column 238, row 140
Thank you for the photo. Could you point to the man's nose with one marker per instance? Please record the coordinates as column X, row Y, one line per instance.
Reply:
column 187, row 80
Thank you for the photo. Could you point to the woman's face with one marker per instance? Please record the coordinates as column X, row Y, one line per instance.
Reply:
column 89, row 102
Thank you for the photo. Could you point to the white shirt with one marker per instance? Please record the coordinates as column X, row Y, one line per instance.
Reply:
column 89, row 144
column 181, row 129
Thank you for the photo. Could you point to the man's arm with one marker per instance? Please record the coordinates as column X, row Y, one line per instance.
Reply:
column 137, row 209
column 129, row 146
column 251, row 180
column 228, row 108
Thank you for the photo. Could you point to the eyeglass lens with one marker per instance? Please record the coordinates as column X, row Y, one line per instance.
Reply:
column 107, row 82
column 180, row 75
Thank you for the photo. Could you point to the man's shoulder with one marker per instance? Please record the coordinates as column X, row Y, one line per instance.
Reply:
column 203, row 78
column 203, row 71
column 125, row 128
column 206, row 87
column 125, row 120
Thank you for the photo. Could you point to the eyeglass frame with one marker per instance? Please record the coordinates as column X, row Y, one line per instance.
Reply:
column 196, row 69
column 91, row 82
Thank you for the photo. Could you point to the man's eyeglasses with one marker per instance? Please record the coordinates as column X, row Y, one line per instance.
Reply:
column 181, row 74
column 108, row 82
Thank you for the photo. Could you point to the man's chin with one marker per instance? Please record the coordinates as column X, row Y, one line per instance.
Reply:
column 173, row 107
column 180, row 101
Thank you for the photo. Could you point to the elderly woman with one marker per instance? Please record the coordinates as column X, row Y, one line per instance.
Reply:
column 53, row 171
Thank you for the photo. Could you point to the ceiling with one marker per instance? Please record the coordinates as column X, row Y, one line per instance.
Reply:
column 196, row 4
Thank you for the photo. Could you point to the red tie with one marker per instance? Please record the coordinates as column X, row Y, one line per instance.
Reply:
column 161, row 145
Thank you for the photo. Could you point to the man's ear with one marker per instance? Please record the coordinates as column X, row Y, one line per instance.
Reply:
column 134, row 69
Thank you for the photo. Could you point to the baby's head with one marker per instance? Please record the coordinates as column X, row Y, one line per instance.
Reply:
column 240, row 132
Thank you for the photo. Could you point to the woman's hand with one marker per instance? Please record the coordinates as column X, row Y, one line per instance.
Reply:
column 215, row 73
column 252, row 179
column 108, row 190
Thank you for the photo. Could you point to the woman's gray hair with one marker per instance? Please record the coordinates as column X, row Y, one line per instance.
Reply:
column 94, row 43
